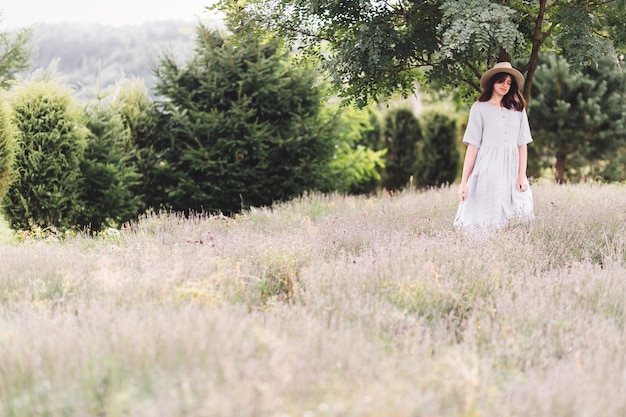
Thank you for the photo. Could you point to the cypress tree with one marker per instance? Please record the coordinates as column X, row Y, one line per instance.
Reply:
column 51, row 141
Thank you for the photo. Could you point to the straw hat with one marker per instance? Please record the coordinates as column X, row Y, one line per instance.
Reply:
column 502, row 67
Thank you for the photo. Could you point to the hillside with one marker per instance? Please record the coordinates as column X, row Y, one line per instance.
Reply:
column 79, row 53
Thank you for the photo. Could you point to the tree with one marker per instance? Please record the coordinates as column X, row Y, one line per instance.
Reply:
column 358, row 161
column 438, row 161
column 14, row 54
column 108, row 173
column 8, row 136
column 51, row 142
column 375, row 48
column 243, row 125
column 401, row 136
column 145, row 124
column 577, row 118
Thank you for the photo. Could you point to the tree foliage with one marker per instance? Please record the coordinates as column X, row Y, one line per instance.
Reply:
column 8, row 137
column 243, row 125
column 577, row 118
column 438, row 159
column 144, row 124
column 46, row 191
column 375, row 48
column 401, row 136
column 108, row 172
column 15, row 51
column 357, row 164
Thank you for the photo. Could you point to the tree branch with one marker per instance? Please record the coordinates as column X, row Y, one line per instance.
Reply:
column 537, row 41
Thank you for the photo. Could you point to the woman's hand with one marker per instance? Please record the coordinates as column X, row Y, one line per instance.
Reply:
column 522, row 184
column 463, row 192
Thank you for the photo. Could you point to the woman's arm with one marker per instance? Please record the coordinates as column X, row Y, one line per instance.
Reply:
column 468, row 167
column 522, row 182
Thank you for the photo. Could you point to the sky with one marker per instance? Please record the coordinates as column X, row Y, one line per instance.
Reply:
column 22, row 13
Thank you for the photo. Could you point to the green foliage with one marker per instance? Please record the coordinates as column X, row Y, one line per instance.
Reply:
column 14, row 54
column 144, row 124
column 8, row 135
column 372, row 49
column 401, row 136
column 51, row 136
column 372, row 136
column 107, row 171
column 468, row 32
column 577, row 118
column 368, row 48
column 356, row 167
column 438, row 161
column 473, row 33
column 243, row 125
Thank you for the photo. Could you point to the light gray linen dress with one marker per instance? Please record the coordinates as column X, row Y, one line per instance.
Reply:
column 492, row 195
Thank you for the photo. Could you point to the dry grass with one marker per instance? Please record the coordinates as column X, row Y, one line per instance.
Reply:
column 326, row 306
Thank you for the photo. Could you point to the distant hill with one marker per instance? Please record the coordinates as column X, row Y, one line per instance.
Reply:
column 81, row 53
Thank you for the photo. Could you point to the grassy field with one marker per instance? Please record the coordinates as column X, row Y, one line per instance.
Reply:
column 326, row 306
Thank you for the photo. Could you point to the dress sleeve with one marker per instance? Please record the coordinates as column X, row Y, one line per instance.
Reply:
column 474, row 130
column 524, row 136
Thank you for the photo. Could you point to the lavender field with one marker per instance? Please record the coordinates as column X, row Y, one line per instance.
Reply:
column 325, row 306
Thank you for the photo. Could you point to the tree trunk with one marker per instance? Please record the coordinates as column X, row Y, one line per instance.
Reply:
column 538, row 39
column 560, row 168
column 504, row 56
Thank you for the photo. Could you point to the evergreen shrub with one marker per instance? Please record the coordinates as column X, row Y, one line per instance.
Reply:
column 8, row 134
column 51, row 140
column 144, row 125
column 401, row 135
column 438, row 161
column 243, row 126
column 108, row 172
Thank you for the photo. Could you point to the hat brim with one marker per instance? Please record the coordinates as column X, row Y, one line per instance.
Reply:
column 519, row 78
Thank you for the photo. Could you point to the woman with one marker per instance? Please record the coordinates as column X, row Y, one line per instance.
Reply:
column 494, row 187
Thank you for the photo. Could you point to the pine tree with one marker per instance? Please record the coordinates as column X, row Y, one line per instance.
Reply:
column 576, row 118
column 242, row 126
column 15, row 53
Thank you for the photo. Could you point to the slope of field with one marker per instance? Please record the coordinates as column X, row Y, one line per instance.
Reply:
column 325, row 306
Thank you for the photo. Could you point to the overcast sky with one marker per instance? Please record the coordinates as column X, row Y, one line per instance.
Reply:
column 20, row 13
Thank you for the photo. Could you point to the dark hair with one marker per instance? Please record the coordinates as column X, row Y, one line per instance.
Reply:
column 512, row 100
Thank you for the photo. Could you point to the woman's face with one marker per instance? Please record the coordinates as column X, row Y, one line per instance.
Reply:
column 502, row 86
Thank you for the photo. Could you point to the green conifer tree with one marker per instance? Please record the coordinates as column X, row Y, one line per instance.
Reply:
column 401, row 136
column 108, row 172
column 145, row 125
column 51, row 139
column 576, row 118
column 8, row 135
column 242, row 126
column 438, row 161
